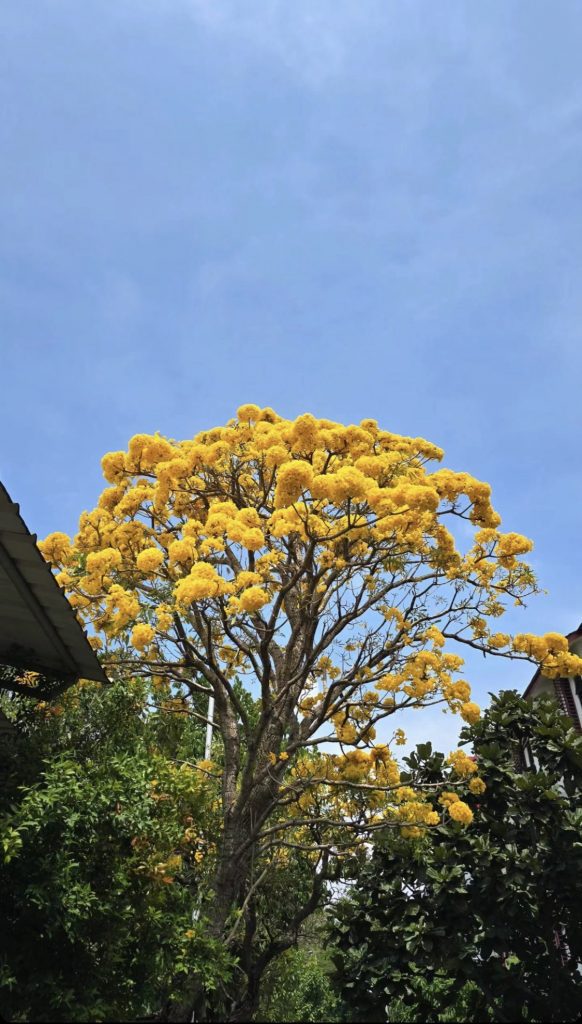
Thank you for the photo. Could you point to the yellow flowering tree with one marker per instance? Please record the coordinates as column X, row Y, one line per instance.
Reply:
column 314, row 567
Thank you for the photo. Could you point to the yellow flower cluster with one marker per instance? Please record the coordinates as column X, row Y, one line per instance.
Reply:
column 448, row 798
column 113, row 466
column 142, row 636
column 164, row 617
column 57, row 548
column 461, row 812
column 202, row 582
column 414, row 812
column 452, row 486
column 273, row 758
column 550, row 651
column 150, row 559
column 497, row 641
column 471, row 712
column 346, row 482
column 540, row 647
column 511, row 544
column 461, row 763
column 122, row 606
column 253, row 599
column 305, row 434
column 457, row 808
column 345, row 731
column 182, row 552
column 426, row 673
column 294, row 478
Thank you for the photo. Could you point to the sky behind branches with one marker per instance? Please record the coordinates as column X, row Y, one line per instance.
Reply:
column 358, row 208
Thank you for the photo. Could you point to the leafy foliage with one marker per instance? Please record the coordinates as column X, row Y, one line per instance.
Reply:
column 299, row 986
column 299, row 990
column 483, row 905
column 99, row 884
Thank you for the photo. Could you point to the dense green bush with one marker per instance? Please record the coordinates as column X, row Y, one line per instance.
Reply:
column 298, row 987
column 482, row 905
column 94, row 928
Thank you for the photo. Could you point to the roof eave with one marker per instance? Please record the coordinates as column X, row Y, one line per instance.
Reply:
column 53, row 622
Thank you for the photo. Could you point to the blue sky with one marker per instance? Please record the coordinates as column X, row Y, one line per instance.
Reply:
column 352, row 207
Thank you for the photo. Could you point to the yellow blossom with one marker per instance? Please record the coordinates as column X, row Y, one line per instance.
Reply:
column 461, row 763
column 56, row 548
column 149, row 559
column 202, row 582
column 247, row 413
column 142, row 636
column 447, row 798
column 294, row 477
column 471, row 712
column 113, row 465
column 461, row 812
column 253, row 599
column 182, row 552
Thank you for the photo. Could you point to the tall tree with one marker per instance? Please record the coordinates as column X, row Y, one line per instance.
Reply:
column 493, row 911
column 313, row 561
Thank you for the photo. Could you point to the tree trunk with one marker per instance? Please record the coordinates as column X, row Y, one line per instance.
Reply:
column 245, row 1009
column 231, row 873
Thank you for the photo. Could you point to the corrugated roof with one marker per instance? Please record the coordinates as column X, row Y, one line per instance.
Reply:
column 38, row 627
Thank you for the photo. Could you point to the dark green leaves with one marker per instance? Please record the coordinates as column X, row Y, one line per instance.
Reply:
column 481, row 906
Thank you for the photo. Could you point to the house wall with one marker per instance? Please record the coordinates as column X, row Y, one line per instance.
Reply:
column 576, row 648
